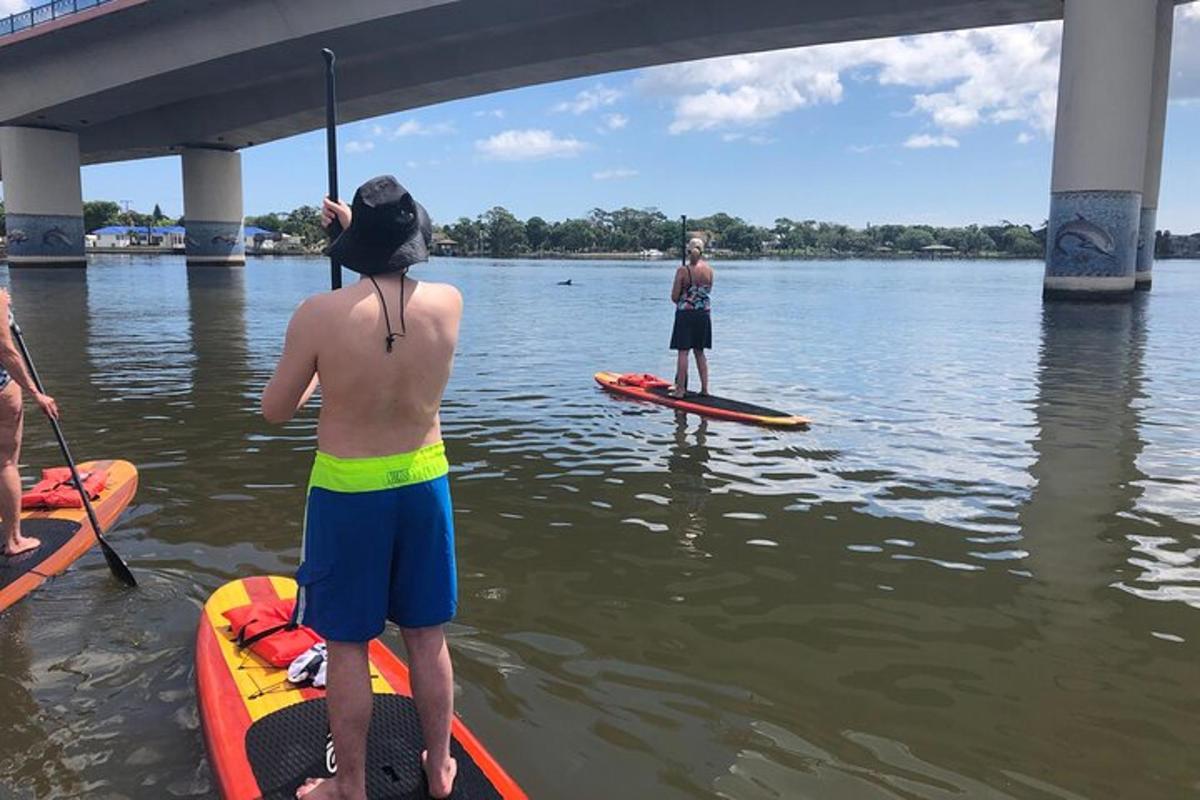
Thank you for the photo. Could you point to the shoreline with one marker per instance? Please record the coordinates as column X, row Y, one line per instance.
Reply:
column 719, row 256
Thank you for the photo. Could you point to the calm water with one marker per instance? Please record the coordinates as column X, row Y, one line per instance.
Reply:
column 978, row 575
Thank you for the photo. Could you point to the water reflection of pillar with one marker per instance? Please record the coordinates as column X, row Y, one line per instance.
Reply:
column 52, row 307
column 687, row 465
column 217, row 312
column 1087, row 449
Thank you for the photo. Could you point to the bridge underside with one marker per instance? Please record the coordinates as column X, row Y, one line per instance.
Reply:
column 151, row 78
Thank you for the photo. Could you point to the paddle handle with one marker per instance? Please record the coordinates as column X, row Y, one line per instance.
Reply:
column 335, row 228
column 115, row 563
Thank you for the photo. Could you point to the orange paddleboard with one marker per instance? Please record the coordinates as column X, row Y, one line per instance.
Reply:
column 265, row 737
column 704, row 405
column 66, row 533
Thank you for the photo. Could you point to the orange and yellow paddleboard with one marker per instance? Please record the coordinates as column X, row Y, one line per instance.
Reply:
column 265, row 736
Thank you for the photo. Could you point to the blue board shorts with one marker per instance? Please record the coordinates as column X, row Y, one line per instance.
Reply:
column 378, row 545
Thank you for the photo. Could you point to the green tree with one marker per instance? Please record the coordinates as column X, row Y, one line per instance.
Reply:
column 574, row 236
column 537, row 231
column 100, row 214
column 268, row 222
column 305, row 222
column 913, row 239
column 1018, row 240
column 468, row 233
column 2, row 218
column 741, row 238
column 505, row 233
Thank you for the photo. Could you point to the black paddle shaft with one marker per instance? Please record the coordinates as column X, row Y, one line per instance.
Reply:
column 335, row 227
column 115, row 564
column 683, row 239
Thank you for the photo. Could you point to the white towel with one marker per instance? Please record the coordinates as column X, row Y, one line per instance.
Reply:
column 309, row 666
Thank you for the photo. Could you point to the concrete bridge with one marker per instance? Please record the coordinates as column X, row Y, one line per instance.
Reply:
column 93, row 81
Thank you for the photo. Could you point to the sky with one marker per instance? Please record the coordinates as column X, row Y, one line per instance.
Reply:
column 944, row 129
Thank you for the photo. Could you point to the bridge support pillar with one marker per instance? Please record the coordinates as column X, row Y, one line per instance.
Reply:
column 1154, row 144
column 43, row 198
column 212, row 207
column 1100, row 137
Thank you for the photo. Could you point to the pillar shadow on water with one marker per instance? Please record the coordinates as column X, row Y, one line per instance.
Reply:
column 222, row 409
column 1085, row 677
column 1087, row 445
column 51, row 306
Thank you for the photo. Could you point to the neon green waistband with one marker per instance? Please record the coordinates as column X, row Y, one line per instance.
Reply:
column 379, row 472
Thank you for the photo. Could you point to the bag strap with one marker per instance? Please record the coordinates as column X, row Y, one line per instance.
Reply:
column 258, row 637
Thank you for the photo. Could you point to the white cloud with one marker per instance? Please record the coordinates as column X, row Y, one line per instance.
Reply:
column 1024, row 137
column 859, row 149
column 616, row 122
column 1185, row 55
column 589, row 100
column 528, row 145
column 755, row 138
column 498, row 113
column 921, row 141
column 614, row 174
column 359, row 146
column 377, row 130
column 962, row 79
column 12, row 6
column 412, row 127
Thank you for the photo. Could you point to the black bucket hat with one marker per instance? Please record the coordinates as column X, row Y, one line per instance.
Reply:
column 389, row 230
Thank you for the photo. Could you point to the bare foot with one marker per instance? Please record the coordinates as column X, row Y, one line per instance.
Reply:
column 21, row 544
column 319, row 789
column 441, row 785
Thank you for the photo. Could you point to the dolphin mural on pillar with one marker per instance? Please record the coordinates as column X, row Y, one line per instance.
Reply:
column 1082, row 237
column 56, row 237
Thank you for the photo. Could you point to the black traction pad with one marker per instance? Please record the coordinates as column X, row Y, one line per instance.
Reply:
column 54, row 533
column 291, row 745
column 722, row 403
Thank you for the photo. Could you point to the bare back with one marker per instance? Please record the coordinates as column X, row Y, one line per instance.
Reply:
column 375, row 402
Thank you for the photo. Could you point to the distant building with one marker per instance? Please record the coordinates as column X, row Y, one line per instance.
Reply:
column 260, row 239
column 938, row 250
column 1183, row 246
column 443, row 245
column 168, row 236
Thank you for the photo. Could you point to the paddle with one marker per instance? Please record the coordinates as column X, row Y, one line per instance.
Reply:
column 683, row 239
column 335, row 269
column 119, row 570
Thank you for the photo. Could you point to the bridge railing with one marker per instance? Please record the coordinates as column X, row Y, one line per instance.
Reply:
column 47, row 12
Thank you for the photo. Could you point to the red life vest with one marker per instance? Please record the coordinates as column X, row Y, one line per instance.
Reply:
column 57, row 490
column 642, row 379
column 264, row 627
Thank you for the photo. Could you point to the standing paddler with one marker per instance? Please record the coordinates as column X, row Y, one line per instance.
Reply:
column 378, row 528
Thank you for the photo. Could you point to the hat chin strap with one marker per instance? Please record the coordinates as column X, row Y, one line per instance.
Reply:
column 391, row 337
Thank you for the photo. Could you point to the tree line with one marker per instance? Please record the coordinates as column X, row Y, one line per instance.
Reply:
column 628, row 230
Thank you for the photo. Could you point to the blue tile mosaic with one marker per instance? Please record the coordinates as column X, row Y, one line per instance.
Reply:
column 33, row 235
column 213, row 239
column 1145, row 245
column 1093, row 234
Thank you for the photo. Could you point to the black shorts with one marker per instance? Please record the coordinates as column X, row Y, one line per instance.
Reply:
column 692, row 331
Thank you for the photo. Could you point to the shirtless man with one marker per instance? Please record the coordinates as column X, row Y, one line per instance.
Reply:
column 379, row 533
column 13, row 378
